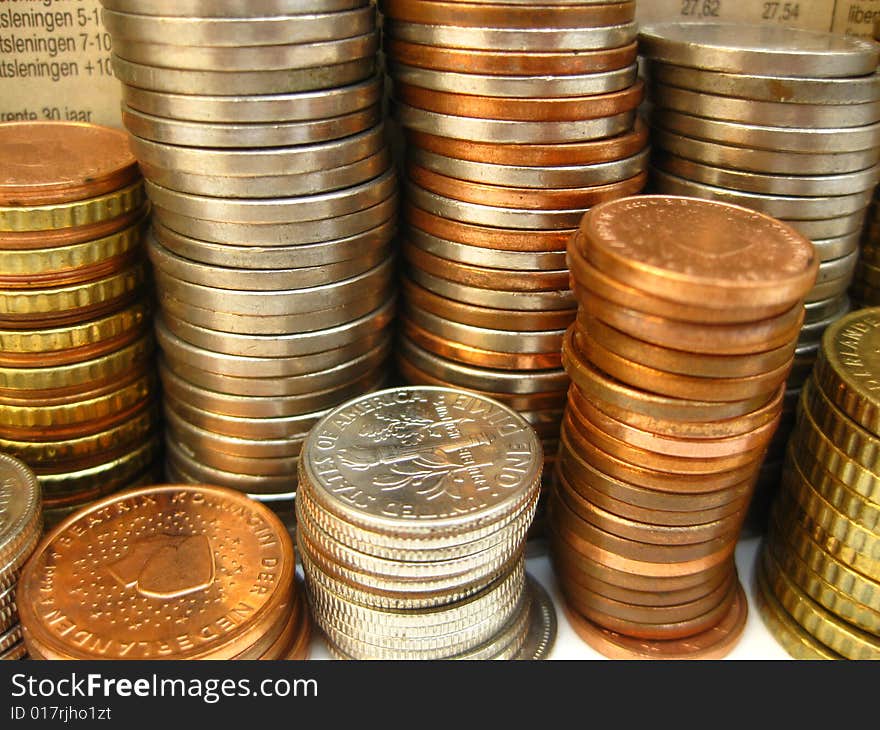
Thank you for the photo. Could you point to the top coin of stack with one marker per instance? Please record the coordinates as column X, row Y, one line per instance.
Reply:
column 412, row 511
column 76, row 371
column 784, row 121
column 818, row 574
column 21, row 524
column 192, row 572
column 258, row 127
column 518, row 117
column 689, row 314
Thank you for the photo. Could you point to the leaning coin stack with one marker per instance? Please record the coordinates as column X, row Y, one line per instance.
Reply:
column 21, row 525
column 689, row 315
column 819, row 572
column 783, row 121
column 191, row 572
column 77, row 378
column 258, row 127
column 412, row 511
column 518, row 117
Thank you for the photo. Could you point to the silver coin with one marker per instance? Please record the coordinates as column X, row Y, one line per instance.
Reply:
column 276, row 210
column 314, row 157
column 231, row 8
column 756, row 49
column 542, row 623
column 765, row 161
column 270, row 30
column 494, row 381
column 511, row 132
column 789, row 89
column 260, row 406
column 764, row 113
column 490, row 215
column 276, row 257
column 779, row 139
column 285, row 234
column 204, row 456
column 250, row 366
column 817, row 311
column 515, row 86
column 247, row 58
column 238, row 136
column 20, row 506
column 837, row 268
column 488, row 257
column 277, row 302
column 784, row 207
column 264, row 108
column 484, row 338
column 504, row 39
column 237, row 83
column 829, row 227
column 829, row 289
column 281, row 386
column 574, row 176
column 750, row 182
column 811, row 333
column 298, row 343
column 255, row 280
column 194, row 472
column 493, row 298
column 833, row 248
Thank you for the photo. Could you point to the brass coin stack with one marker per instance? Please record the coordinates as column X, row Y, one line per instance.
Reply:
column 518, row 117
column 77, row 380
column 258, row 127
column 193, row 572
column 688, row 319
column 412, row 512
column 786, row 122
column 818, row 576
column 21, row 524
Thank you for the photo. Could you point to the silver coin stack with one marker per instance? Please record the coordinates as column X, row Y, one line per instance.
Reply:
column 412, row 512
column 518, row 117
column 783, row 121
column 258, row 127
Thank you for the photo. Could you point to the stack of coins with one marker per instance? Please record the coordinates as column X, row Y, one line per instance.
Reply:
column 21, row 525
column 412, row 512
column 865, row 289
column 780, row 120
column 518, row 117
column 258, row 127
column 77, row 377
column 191, row 572
column 689, row 315
column 818, row 576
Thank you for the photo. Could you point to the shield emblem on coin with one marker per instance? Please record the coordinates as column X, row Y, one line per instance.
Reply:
column 167, row 566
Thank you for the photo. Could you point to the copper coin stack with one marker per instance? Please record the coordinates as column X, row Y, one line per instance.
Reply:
column 21, row 525
column 192, row 572
column 412, row 512
column 818, row 576
column 258, row 127
column 518, row 117
column 77, row 377
column 781, row 120
column 688, row 319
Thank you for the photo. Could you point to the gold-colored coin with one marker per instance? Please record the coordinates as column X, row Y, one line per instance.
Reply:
column 69, row 215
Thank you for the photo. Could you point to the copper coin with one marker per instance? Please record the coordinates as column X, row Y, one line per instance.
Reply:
column 552, row 109
column 509, row 63
column 523, row 198
column 714, row 643
column 687, row 363
column 660, row 443
column 536, row 155
column 483, row 277
column 434, row 12
column 700, row 252
column 46, row 163
column 485, row 236
column 486, row 316
column 476, row 356
column 719, row 339
column 26, row 240
column 677, row 385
